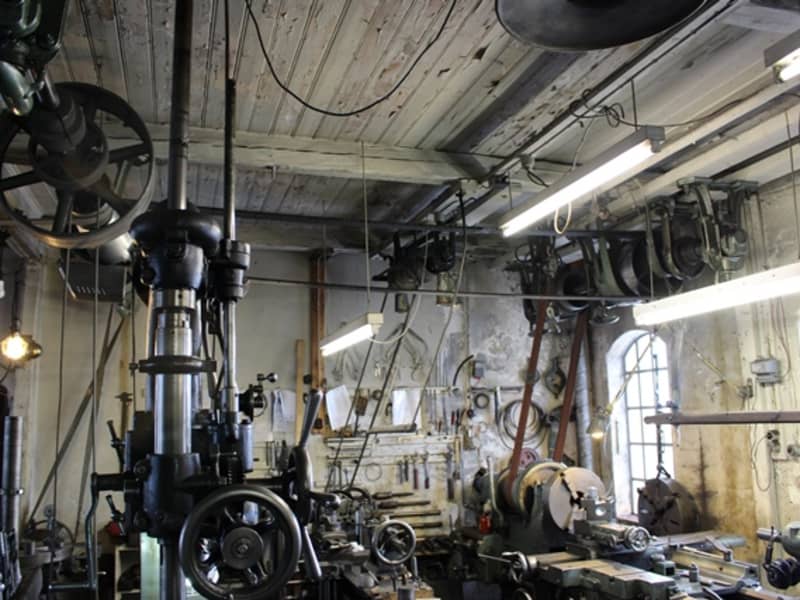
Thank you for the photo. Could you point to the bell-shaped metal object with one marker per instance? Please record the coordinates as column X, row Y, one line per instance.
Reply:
column 590, row 24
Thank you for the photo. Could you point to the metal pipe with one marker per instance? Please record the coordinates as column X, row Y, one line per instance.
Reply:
column 583, row 412
column 172, row 585
column 11, row 474
column 48, row 93
column 229, row 388
column 461, row 294
column 725, row 418
column 181, row 97
column 172, row 400
column 320, row 221
column 229, row 184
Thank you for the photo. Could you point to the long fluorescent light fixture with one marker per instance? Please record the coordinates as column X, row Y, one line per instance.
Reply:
column 774, row 283
column 618, row 161
column 358, row 330
column 784, row 57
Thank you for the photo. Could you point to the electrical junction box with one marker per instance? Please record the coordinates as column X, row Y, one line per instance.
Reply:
column 767, row 371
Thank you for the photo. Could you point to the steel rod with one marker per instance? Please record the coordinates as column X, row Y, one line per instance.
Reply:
column 11, row 473
column 726, row 418
column 346, row 287
column 181, row 98
column 320, row 221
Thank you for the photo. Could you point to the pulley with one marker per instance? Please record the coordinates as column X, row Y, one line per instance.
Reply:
column 241, row 542
column 590, row 24
column 98, row 188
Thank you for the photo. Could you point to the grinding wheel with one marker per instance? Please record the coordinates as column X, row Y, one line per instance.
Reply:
column 590, row 24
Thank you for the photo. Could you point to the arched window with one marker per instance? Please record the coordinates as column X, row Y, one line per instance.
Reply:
column 640, row 449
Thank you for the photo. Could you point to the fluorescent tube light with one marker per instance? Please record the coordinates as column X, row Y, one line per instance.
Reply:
column 774, row 283
column 618, row 161
column 784, row 57
column 358, row 330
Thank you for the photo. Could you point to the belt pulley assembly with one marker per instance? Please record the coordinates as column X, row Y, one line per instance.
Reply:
column 97, row 189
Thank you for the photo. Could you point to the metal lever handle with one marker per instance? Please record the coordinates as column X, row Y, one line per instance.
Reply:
column 312, row 408
column 313, row 568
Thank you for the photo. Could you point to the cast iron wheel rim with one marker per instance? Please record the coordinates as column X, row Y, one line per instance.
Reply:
column 389, row 532
column 214, row 506
column 138, row 154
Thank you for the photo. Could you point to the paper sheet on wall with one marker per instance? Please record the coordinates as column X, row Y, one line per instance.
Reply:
column 337, row 402
column 404, row 406
column 278, row 417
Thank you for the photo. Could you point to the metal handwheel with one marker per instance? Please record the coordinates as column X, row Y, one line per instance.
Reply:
column 241, row 542
column 394, row 542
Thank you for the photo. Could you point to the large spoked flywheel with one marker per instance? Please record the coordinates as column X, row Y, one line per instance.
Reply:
column 241, row 542
column 76, row 176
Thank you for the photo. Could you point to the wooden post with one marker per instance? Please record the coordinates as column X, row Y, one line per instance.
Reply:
column 300, row 370
column 318, row 329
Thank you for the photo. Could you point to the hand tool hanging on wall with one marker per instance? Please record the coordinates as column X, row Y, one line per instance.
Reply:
column 427, row 475
column 402, row 503
column 416, row 472
column 387, row 495
column 451, row 485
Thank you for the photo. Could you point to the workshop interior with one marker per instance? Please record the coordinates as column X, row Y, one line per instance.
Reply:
column 397, row 299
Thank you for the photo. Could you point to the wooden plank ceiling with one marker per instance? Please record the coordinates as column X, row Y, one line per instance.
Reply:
column 477, row 91
column 338, row 54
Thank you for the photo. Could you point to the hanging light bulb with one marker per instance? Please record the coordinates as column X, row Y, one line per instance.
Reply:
column 599, row 425
column 19, row 348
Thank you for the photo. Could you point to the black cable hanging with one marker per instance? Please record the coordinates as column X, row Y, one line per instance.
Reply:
column 366, row 107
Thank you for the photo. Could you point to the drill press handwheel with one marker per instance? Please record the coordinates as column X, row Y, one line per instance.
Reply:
column 241, row 542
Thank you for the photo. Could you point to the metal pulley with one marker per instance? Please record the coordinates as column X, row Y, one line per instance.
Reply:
column 393, row 542
column 241, row 542
column 582, row 25
column 98, row 187
column 666, row 507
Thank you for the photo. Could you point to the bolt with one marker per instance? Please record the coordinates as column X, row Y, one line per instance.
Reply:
column 242, row 549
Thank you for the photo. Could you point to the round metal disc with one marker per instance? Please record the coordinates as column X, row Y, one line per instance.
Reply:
column 566, row 487
column 666, row 507
column 590, row 24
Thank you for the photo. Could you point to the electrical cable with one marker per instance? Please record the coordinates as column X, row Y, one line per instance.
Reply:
column 581, row 143
column 794, row 181
column 95, row 402
column 614, row 113
column 365, row 203
column 510, row 417
column 461, row 366
column 366, row 107
column 59, row 405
